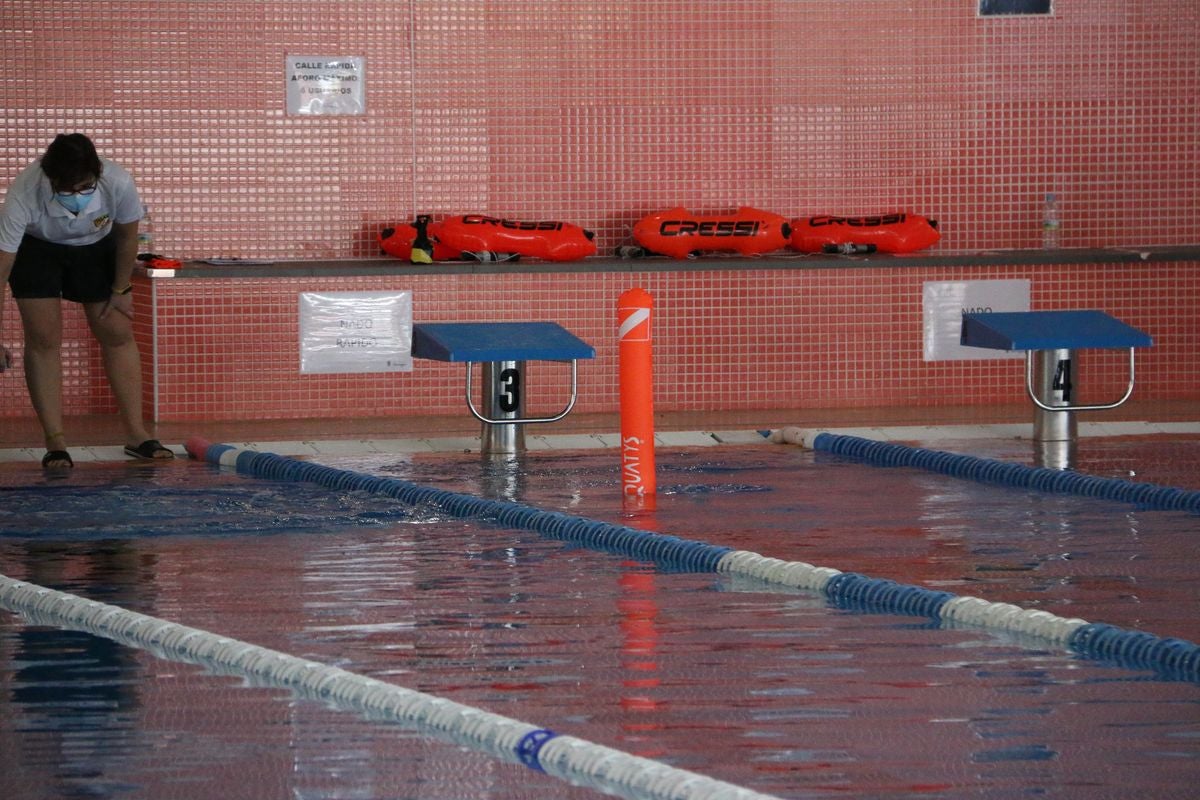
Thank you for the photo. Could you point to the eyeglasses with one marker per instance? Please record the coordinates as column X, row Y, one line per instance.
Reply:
column 83, row 190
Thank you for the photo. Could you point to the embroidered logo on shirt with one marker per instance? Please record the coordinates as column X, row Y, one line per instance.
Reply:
column 100, row 221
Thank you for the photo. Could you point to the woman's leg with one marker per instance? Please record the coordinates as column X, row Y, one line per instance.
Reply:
column 41, row 318
column 122, row 365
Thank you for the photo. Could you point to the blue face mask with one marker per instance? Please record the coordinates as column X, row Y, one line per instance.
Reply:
column 73, row 202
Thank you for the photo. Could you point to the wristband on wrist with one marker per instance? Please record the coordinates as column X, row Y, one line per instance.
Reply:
column 128, row 288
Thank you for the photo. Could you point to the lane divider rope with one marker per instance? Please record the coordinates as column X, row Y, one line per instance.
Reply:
column 1007, row 473
column 1172, row 658
column 567, row 758
column 670, row 551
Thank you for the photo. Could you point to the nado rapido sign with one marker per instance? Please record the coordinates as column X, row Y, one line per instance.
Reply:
column 355, row 332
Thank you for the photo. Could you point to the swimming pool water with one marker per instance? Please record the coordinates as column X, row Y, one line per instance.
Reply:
column 763, row 688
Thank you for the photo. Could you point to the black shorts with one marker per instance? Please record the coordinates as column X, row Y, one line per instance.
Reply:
column 80, row 273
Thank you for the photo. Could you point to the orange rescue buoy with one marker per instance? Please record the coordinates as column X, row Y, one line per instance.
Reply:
column 884, row 233
column 398, row 241
column 546, row 239
column 679, row 233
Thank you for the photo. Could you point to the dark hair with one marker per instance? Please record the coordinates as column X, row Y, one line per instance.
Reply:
column 70, row 160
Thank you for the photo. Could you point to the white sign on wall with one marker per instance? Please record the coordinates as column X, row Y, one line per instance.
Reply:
column 355, row 332
column 326, row 85
column 944, row 303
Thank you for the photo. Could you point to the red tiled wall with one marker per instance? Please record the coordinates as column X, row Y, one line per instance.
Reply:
column 728, row 339
column 599, row 112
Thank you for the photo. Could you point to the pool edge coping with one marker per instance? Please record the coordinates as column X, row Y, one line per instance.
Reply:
column 611, row 440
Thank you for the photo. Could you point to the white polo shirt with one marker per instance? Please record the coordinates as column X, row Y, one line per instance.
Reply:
column 30, row 207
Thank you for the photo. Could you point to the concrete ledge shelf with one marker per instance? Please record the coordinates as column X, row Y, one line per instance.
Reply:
column 781, row 261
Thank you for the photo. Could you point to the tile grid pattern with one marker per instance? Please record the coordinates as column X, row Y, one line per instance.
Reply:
column 736, row 339
column 599, row 112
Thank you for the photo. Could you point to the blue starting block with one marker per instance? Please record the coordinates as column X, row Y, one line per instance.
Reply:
column 502, row 348
column 1049, row 339
column 1049, row 330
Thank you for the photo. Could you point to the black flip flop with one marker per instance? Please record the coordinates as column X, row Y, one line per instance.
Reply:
column 57, row 455
column 147, row 450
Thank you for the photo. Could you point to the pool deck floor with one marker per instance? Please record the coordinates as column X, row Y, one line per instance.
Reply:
column 98, row 438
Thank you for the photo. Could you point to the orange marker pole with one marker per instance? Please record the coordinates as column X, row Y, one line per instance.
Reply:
column 637, row 397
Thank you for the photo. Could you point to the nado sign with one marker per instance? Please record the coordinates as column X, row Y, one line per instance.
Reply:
column 355, row 332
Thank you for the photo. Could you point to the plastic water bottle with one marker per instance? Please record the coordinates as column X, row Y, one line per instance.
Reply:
column 145, row 232
column 1051, row 223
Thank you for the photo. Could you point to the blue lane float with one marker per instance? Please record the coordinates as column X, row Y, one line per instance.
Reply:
column 1174, row 659
column 1004, row 473
column 862, row 593
column 669, row 552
